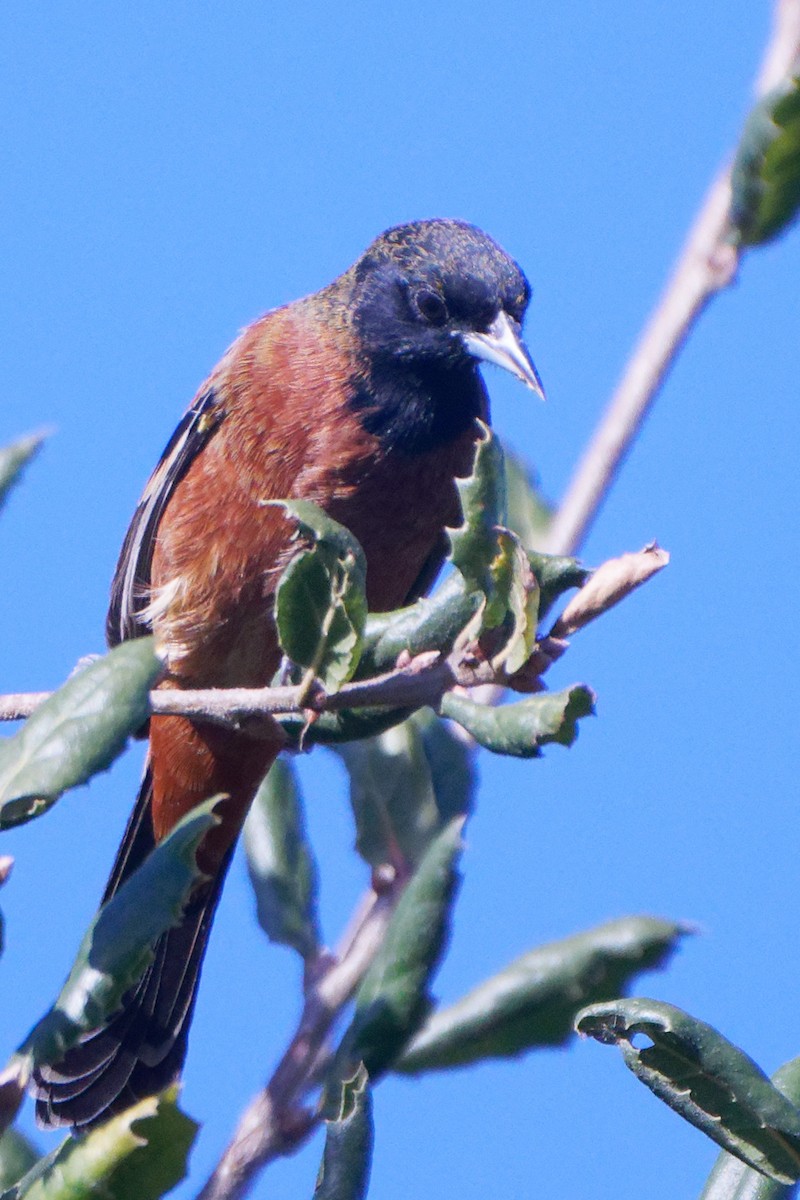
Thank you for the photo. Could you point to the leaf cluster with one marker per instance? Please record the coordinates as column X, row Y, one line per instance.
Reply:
column 412, row 786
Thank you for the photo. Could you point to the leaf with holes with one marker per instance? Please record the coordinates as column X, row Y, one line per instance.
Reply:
column 78, row 731
column 280, row 862
column 522, row 729
column 705, row 1078
column 320, row 602
column 532, row 1002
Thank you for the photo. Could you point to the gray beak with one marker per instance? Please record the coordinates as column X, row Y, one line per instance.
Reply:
column 502, row 344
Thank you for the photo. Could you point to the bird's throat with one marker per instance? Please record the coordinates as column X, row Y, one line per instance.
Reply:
column 413, row 409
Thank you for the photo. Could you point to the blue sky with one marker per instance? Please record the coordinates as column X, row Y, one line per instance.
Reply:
column 167, row 173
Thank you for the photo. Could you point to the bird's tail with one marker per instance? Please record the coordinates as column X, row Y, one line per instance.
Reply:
column 142, row 1049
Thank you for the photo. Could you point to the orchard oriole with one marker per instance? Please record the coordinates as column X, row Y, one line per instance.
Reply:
column 362, row 398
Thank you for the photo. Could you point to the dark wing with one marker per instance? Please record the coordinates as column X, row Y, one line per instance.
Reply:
column 142, row 1048
column 130, row 588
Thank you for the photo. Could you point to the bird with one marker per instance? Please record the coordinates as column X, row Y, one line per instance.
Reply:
column 365, row 398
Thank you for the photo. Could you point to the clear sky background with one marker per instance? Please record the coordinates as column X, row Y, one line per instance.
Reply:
column 167, row 173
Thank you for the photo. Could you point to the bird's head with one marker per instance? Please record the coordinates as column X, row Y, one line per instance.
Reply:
column 441, row 291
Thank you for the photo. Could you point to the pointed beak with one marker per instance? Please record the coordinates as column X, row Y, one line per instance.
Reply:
column 502, row 344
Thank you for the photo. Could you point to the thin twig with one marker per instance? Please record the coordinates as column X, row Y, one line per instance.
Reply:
column 414, row 685
column 422, row 681
column 275, row 1122
column 707, row 264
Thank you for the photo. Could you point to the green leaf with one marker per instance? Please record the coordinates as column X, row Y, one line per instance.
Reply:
column 515, row 601
column 280, row 862
column 334, row 728
column 392, row 796
column 405, row 785
column 731, row 1179
column 349, row 1137
column 483, row 505
column 17, row 1157
column 320, row 601
column 13, row 460
column 522, row 729
column 529, row 514
column 118, row 946
column 706, row 1079
column 766, row 170
column 533, row 1001
column 555, row 576
column 393, row 998
column 433, row 623
column 451, row 762
column 139, row 1155
column 78, row 731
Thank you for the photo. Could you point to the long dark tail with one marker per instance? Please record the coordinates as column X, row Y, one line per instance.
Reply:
column 143, row 1048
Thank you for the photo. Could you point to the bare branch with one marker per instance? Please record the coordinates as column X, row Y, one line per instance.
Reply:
column 707, row 264
column 422, row 681
column 414, row 683
column 276, row 1122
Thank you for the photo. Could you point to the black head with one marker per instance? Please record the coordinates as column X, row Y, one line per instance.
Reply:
column 434, row 291
column 425, row 302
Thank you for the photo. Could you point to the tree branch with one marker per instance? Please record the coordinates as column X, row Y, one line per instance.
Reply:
column 422, row 681
column 275, row 1122
column 707, row 264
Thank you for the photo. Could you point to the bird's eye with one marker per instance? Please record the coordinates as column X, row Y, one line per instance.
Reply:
column 431, row 306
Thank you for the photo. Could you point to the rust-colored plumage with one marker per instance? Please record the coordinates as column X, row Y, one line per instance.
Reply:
column 363, row 399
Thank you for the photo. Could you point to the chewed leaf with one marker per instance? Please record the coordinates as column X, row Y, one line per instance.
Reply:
column 483, row 505
column 515, row 601
column 347, row 1158
column 78, row 731
column 705, row 1078
column 522, row 729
